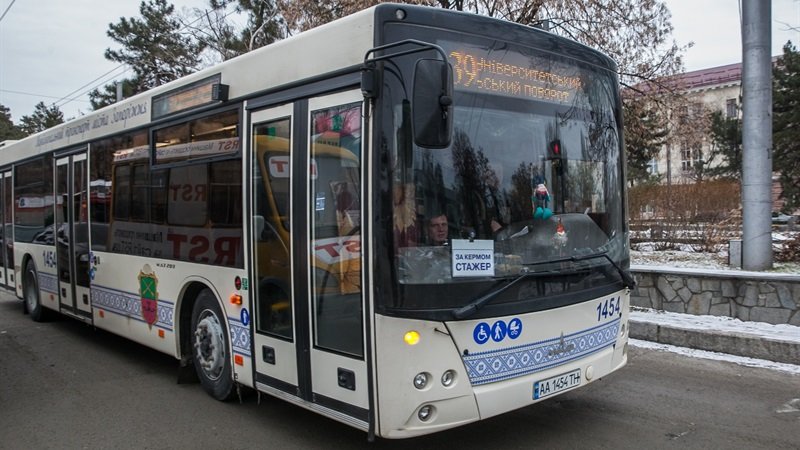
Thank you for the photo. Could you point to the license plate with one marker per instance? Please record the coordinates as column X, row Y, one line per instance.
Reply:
column 556, row 384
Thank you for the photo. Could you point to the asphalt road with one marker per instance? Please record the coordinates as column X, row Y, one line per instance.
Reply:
column 66, row 385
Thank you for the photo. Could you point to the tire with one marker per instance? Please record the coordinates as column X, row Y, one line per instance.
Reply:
column 210, row 347
column 30, row 294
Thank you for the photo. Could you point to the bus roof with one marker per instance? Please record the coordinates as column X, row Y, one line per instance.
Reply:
column 298, row 57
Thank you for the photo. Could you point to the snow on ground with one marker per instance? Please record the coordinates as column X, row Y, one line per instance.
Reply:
column 724, row 325
column 702, row 354
column 679, row 258
column 684, row 256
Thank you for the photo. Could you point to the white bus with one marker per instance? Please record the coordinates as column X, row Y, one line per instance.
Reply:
column 266, row 221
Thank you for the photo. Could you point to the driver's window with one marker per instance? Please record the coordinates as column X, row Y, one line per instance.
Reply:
column 335, row 203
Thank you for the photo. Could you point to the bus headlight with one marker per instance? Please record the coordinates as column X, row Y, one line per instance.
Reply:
column 425, row 413
column 448, row 377
column 421, row 380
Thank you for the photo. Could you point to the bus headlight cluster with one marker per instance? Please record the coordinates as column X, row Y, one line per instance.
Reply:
column 421, row 379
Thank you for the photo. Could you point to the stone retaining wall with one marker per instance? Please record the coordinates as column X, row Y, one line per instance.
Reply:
column 752, row 296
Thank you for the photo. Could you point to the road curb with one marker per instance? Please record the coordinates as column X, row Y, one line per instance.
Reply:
column 733, row 343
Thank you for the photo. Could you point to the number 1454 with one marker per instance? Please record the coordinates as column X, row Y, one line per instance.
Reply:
column 609, row 308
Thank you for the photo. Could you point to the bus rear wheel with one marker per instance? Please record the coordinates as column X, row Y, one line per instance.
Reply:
column 33, row 303
column 210, row 348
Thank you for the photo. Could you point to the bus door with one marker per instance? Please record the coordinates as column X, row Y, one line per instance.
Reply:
column 333, row 205
column 72, row 235
column 307, row 191
column 7, row 230
column 275, row 337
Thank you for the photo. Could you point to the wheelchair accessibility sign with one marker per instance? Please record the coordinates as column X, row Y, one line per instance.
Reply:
column 497, row 332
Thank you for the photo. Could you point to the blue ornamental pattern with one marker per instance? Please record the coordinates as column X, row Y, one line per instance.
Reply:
column 48, row 282
column 497, row 365
column 130, row 305
column 240, row 337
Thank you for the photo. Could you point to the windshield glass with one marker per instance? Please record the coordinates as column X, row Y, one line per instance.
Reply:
column 531, row 182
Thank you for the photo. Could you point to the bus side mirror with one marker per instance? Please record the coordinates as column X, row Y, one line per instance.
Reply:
column 432, row 107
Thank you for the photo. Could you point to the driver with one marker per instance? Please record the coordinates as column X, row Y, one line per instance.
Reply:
column 437, row 230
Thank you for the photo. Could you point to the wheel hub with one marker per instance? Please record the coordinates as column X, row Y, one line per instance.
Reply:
column 209, row 346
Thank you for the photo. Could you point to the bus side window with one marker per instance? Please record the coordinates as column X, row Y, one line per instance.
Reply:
column 187, row 196
column 225, row 197
column 122, row 192
column 111, row 159
column 140, row 193
column 158, row 196
column 30, row 196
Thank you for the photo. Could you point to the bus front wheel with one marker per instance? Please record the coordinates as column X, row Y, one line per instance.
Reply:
column 210, row 348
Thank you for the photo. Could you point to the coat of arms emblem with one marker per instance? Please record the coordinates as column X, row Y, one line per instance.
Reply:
column 148, row 292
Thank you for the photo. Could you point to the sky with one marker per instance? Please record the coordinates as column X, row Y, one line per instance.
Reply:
column 52, row 50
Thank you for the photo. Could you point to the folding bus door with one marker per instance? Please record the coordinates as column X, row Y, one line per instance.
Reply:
column 309, row 314
column 6, row 230
column 333, row 206
column 275, row 337
column 72, row 235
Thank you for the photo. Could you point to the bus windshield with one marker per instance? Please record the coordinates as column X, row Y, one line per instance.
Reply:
column 530, row 185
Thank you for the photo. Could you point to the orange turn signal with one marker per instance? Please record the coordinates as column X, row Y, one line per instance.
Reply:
column 411, row 338
column 236, row 299
column 238, row 359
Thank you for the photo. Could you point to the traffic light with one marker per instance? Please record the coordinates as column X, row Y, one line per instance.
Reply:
column 554, row 149
column 555, row 153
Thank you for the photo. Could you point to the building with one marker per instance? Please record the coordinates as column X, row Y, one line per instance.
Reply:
column 714, row 89
column 708, row 90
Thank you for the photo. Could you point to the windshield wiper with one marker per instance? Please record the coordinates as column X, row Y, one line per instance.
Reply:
column 480, row 302
column 473, row 306
column 627, row 279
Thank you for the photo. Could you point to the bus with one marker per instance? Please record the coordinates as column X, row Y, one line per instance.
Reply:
column 268, row 221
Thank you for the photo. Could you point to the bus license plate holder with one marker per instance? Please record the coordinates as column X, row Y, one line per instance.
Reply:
column 554, row 385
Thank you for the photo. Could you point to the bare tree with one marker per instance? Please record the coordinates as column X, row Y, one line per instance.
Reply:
column 224, row 38
column 635, row 33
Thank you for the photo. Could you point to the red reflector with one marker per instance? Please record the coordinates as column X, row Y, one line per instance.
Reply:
column 161, row 334
column 238, row 359
column 237, row 283
column 236, row 299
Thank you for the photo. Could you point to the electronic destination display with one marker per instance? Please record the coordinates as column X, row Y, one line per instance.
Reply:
column 511, row 73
